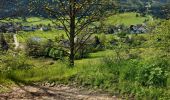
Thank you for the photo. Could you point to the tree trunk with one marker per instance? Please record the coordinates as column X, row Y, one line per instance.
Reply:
column 72, row 32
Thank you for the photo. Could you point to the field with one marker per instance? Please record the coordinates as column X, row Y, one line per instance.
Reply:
column 30, row 21
column 127, row 19
column 23, row 36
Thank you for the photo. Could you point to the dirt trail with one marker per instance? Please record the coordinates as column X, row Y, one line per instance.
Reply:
column 52, row 93
column 16, row 43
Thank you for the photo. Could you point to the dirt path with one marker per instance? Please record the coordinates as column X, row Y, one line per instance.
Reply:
column 52, row 93
column 16, row 43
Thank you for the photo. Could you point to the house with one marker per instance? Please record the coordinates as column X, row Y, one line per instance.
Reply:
column 36, row 39
column 11, row 30
column 138, row 29
column 9, row 27
column 27, row 28
column 44, row 28
column 60, row 27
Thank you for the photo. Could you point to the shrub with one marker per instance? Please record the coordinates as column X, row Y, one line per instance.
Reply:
column 12, row 61
column 154, row 73
column 56, row 53
column 135, row 41
column 35, row 47
column 128, row 71
column 38, row 47
column 82, row 53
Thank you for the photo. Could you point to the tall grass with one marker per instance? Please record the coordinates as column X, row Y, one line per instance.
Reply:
column 132, row 78
column 106, row 74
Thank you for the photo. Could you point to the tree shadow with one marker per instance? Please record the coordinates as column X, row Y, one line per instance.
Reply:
column 38, row 92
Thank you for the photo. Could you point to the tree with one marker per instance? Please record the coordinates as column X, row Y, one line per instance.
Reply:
column 12, row 9
column 3, row 43
column 166, row 11
column 76, row 16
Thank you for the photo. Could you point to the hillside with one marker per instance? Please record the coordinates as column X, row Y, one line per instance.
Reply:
column 22, row 7
column 84, row 50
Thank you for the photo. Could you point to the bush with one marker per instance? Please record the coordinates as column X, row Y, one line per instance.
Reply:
column 128, row 71
column 38, row 47
column 56, row 53
column 35, row 47
column 14, row 61
column 135, row 41
column 154, row 73
column 82, row 53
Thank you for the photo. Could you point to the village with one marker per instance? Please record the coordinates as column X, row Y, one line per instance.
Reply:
column 16, row 27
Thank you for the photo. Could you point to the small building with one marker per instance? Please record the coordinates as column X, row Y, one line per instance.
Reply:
column 27, row 28
column 138, row 29
column 60, row 27
column 44, row 28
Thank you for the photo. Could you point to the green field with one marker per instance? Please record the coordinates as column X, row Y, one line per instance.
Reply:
column 30, row 21
column 126, row 19
column 23, row 36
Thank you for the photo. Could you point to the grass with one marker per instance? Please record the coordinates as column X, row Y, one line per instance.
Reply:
column 37, row 21
column 126, row 19
column 23, row 36
column 95, row 72
column 30, row 21
column 99, row 71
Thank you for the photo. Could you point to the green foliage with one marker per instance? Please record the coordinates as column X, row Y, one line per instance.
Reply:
column 83, row 52
column 154, row 73
column 38, row 47
column 56, row 53
column 35, row 47
column 136, row 40
column 125, row 78
column 13, row 61
column 161, row 36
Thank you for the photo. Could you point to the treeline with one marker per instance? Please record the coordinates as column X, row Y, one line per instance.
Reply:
column 24, row 8
column 158, row 8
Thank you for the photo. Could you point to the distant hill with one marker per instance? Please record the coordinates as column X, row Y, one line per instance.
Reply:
column 142, row 3
column 154, row 7
column 21, row 7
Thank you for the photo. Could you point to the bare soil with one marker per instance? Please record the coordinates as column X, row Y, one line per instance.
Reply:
column 56, row 92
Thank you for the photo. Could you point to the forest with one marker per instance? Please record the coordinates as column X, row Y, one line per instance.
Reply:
column 84, row 50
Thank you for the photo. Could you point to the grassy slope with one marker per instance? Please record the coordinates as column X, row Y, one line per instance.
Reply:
column 30, row 21
column 23, row 36
column 126, row 19
column 37, row 21
column 89, row 72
